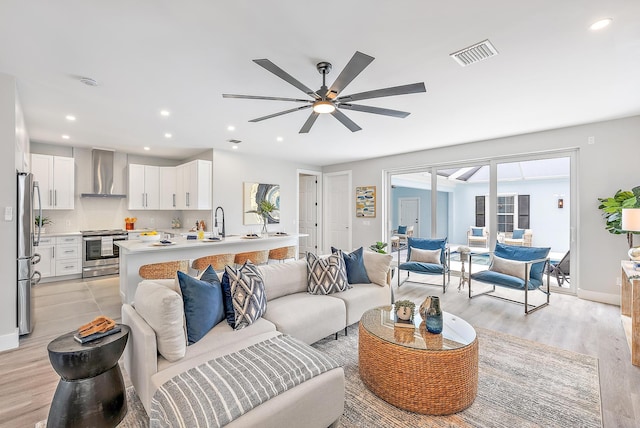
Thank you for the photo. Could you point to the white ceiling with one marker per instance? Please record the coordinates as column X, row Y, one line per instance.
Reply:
column 551, row 71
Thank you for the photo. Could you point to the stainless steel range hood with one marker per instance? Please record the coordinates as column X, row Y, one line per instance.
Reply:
column 102, row 173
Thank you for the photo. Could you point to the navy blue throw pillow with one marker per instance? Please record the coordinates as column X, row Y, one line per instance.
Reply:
column 229, row 313
column 203, row 306
column 402, row 230
column 354, row 261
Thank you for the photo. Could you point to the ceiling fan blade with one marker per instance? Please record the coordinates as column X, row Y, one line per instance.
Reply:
column 269, row 66
column 309, row 123
column 356, row 64
column 258, row 97
column 279, row 113
column 376, row 110
column 345, row 121
column 386, row 92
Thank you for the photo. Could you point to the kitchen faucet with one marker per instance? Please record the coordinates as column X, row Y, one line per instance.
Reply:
column 216, row 220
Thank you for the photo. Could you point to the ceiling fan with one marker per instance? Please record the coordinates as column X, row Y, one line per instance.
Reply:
column 328, row 100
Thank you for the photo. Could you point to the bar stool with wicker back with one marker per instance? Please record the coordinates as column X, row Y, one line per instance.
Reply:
column 283, row 253
column 216, row 261
column 165, row 270
column 259, row 257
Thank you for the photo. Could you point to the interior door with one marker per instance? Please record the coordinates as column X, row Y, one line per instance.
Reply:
column 308, row 214
column 337, row 198
column 409, row 214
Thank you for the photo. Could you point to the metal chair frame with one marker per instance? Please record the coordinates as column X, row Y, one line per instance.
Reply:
column 528, row 308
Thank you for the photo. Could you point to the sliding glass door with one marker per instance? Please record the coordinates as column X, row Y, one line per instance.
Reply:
column 516, row 201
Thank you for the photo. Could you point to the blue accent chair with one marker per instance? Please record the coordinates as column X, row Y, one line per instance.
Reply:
column 442, row 268
column 535, row 262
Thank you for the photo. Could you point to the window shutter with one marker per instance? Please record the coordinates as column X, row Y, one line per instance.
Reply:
column 480, row 213
column 523, row 212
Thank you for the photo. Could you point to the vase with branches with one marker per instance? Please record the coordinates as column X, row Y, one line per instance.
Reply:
column 264, row 210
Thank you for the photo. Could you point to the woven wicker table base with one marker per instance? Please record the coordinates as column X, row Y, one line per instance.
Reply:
column 438, row 382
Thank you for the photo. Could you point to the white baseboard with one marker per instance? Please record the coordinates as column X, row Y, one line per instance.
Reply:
column 9, row 341
column 596, row 296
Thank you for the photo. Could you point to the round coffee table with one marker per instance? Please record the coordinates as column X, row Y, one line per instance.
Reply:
column 415, row 370
column 91, row 388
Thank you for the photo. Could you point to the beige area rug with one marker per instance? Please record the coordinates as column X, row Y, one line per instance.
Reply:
column 521, row 384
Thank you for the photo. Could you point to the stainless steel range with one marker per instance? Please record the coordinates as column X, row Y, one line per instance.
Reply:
column 100, row 255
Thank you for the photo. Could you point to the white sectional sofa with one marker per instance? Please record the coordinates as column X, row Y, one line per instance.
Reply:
column 318, row 402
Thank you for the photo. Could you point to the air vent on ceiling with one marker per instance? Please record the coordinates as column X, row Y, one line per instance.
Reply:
column 234, row 141
column 474, row 53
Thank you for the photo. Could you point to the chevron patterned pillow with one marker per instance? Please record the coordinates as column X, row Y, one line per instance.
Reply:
column 326, row 275
column 247, row 294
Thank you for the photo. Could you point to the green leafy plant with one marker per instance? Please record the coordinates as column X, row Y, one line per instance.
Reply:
column 379, row 247
column 264, row 209
column 612, row 208
column 405, row 303
column 42, row 221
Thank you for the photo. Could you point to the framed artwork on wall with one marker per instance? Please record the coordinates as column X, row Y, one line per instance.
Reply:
column 366, row 201
column 254, row 194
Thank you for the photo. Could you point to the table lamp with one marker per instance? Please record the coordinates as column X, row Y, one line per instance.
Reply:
column 631, row 223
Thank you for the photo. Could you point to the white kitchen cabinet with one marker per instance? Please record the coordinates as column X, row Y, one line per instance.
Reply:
column 55, row 176
column 59, row 256
column 193, row 185
column 68, row 255
column 47, row 264
column 144, row 187
column 168, row 177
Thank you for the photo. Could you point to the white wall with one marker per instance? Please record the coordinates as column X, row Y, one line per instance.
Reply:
column 603, row 167
column 232, row 169
column 550, row 225
column 11, row 144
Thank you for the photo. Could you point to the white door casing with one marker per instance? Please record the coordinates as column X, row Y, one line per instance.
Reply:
column 308, row 213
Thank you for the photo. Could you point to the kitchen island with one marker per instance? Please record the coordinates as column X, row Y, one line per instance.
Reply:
column 135, row 253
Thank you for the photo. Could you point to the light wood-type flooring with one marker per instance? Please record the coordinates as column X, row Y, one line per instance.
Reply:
column 27, row 381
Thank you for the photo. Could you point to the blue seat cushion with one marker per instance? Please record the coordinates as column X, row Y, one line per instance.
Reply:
column 517, row 234
column 428, row 244
column 402, row 230
column 524, row 254
column 477, row 231
column 497, row 278
column 419, row 267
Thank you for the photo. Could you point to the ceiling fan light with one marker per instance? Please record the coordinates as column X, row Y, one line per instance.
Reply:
column 323, row 107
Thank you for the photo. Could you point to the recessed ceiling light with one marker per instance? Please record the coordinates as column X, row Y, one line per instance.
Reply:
column 70, row 118
column 279, row 139
column 165, row 113
column 599, row 25
column 235, row 147
column 147, row 148
column 167, row 135
column 65, row 137
column 231, row 128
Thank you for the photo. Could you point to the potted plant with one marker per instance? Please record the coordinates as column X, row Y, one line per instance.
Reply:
column 612, row 209
column 41, row 222
column 378, row 247
column 265, row 208
column 404, row 311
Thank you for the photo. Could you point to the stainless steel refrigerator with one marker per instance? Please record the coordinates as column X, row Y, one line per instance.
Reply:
column 28, row 191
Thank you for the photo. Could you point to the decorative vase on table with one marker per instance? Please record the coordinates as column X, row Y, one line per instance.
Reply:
column 434, row 316
column 265, row 220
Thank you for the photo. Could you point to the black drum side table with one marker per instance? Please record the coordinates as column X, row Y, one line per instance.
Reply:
column 91, row 390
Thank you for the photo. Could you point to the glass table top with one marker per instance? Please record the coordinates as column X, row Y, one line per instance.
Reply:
column 456, row 332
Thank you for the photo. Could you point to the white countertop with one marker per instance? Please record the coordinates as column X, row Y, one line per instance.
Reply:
column 59, row 233
column 137, row 246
